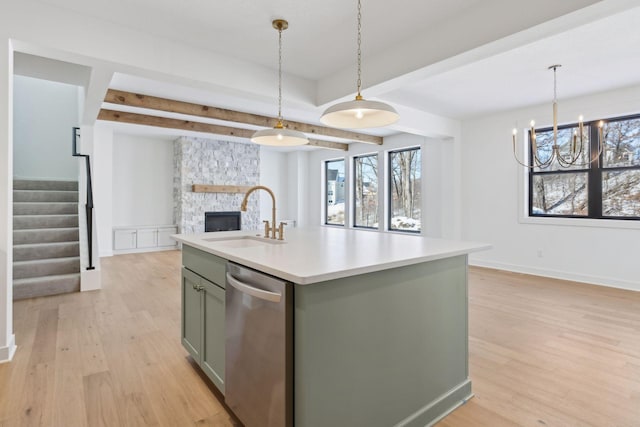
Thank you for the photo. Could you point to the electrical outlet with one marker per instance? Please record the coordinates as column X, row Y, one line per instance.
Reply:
column 540, row 254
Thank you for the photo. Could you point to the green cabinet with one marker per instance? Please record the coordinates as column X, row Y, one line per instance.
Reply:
column 212, row 356
column 203, row 312
column 192, row 314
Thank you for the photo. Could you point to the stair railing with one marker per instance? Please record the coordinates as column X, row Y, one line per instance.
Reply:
column 89, row 204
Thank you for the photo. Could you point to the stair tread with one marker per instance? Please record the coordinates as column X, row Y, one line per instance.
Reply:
column 45, row 191
column 47, row 229
column 47, row 244
column 44, row 278
column 46, row 215
column 47, row 260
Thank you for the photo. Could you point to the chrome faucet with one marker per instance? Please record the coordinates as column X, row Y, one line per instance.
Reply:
column 267, row 228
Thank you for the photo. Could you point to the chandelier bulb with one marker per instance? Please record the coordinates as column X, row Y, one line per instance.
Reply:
column 533, row 123
column 515, row 131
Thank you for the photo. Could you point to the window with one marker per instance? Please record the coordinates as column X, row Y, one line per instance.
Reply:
column 365, row 191
column 334, row 187
column 404, row 190
column 607, row 188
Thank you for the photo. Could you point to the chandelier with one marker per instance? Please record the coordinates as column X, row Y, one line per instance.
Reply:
column 567, row 157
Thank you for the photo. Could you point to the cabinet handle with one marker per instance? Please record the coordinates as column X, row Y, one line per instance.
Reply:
column 194, row 286
column 200, row 288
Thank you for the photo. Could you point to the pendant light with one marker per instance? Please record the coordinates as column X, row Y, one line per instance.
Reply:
column 279, row 135
column 359, row 113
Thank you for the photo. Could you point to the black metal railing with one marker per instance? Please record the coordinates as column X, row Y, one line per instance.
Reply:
column 89, row 205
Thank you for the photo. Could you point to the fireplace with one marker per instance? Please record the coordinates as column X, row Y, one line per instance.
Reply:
column 221, row 221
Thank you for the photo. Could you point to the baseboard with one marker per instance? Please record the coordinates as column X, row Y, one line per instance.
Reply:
column 556, row 274
column 440, row 407
column 6, row 353
column 142, row 250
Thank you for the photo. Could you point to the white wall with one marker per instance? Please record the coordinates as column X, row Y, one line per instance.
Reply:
column 44, row 114
column 273, row 174
column 7, row 338
column 594, row 251
column 103, row 186
column 142, row 191
column 298, row 190
column 437, row 185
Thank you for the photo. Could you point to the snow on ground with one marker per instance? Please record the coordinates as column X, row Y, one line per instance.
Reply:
column 335, row 215
column 404, row 223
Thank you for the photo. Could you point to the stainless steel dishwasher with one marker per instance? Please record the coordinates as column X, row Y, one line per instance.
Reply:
column 259, row 363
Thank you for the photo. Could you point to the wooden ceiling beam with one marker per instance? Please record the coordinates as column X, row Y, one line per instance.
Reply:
column 154, row 103
column 164, row 122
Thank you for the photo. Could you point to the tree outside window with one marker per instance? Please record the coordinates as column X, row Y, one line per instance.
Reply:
column 405, row 182
column 366, row 191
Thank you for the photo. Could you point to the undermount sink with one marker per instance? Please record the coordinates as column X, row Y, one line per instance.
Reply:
column 244, row 241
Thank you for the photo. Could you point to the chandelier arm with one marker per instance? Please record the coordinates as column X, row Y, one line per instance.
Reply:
column 571, row 161
column 601, row 149
column 515, row 156
column 543, row 164
column 565, row 163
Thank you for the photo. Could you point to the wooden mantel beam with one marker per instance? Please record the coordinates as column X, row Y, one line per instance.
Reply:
column 154, row 103
column 164, row 122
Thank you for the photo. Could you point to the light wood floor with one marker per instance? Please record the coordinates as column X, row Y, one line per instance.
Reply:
column 542, row 353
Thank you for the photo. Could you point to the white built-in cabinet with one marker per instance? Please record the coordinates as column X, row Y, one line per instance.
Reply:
column 143, row 239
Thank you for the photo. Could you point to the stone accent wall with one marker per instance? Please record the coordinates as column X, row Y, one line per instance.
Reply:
column 206, row 161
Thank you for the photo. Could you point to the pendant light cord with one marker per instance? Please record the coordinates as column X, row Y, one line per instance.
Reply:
column 359, row 82
column 555, row 107
column 280, row 74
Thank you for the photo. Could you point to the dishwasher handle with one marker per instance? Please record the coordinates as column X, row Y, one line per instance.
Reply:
column 254, row 292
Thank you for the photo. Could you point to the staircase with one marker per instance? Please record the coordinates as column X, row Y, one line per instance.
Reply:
column 46, row 249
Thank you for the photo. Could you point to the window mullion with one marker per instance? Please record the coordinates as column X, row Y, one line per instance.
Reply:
column 595, row 173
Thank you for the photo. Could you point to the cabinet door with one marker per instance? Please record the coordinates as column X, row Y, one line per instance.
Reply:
column 147, row 238
column 214, row 333
column 192, row 314
column 164, row 236
column 124, row 239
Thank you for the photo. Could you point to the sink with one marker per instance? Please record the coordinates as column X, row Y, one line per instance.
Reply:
column 244, row 241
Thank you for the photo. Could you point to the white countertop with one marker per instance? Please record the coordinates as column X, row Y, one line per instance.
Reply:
column 316, row 254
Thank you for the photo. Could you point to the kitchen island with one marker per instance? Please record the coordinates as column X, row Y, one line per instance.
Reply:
column 378, row 320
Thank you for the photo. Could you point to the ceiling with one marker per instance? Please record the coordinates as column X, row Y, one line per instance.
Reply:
column 453, row 58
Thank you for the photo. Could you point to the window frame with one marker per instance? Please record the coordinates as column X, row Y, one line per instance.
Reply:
column 354, row 221
column 326, row 191
column 388, row 196
column 594, row 173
